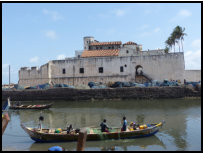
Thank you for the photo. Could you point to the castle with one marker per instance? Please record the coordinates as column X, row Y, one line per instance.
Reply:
column 108, row 62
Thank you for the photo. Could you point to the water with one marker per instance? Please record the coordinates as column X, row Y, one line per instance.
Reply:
column 182, row 130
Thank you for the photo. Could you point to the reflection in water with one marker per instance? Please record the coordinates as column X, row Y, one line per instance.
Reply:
column 104, row 145
column 172, row 136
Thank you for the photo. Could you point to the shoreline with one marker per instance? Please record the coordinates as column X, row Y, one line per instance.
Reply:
column 69, row 94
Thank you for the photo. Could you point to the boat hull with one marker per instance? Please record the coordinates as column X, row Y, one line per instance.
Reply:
column 117, row 134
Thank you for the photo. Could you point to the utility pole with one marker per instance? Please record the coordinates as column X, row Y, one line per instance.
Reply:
column 9, row 76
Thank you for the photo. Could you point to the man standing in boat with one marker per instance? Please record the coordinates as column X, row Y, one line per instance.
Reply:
column 104, row 126
column 124, row 127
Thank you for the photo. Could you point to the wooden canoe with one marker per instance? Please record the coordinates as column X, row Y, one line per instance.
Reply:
column 48, row 135
column 45, row 106
column 5, row 120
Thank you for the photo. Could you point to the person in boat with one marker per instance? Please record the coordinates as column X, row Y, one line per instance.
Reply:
column 104, row 126
column 41, row 118
column 124, row 127
column 69, row 129
column 132, row 126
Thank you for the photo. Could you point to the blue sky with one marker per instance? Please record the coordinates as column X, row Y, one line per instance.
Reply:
column 35, row 33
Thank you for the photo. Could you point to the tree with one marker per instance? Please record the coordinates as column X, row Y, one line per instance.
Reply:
column 166, row 50
column 179, row 35
column 173, row 39
column 169, row 43
column 182, row 36
column 176, row 36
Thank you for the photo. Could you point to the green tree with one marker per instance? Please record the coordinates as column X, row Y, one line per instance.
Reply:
column 179, row 35
column 166, row 50
column 169, row 43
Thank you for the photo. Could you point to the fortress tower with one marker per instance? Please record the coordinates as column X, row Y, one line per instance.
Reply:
column 87, row 41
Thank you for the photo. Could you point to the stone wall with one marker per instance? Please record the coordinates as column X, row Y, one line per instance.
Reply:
column 192, row 75
column 89, row 94
column 158, row 67
column 34, row 76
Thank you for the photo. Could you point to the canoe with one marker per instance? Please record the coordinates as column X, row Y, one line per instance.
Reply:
column 49, row 135
column 5, row 120
column 45, row 106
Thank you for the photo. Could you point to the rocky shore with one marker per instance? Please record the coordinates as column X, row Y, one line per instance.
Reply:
column 99, row 94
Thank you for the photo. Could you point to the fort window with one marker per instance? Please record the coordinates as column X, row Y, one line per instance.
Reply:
column 121, row 69
column 109, row 47
column 64, row 71
column 100, row 47
column 101, row 70
column 125, row 65
column 127, row 51
column 81, row 70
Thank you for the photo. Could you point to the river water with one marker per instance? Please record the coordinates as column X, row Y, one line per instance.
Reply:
column 181, row 131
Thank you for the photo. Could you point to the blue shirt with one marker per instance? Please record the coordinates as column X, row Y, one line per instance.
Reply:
column 56, row 148
column 124, row 125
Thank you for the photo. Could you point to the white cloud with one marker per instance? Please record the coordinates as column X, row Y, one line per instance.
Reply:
column 196, row 43
column 149, row 33
column 184, row 13
column 119, row 12
column 51, row 34
column 193, row 59
column 193, row 56
column 113, row 13
column 34, row 59
column 157, row 29
column 55, row 16
column 61, row 57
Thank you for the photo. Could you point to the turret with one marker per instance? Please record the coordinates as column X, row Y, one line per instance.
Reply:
column 87, row 41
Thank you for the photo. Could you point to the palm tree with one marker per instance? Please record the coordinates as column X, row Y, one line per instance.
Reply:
column 169, row 43
column 179, row 35
column 166, row 50
column 174, row 40
column 176, row 36
column 182, row 34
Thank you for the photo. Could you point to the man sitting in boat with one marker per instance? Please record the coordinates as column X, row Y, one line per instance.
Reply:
column 132, row 126
column 69, row 129
column 104, row 126
column 124, row 127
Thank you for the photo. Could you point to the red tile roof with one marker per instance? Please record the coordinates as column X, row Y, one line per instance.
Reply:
column 100, row 53
column 106, row 43
column 130, row 43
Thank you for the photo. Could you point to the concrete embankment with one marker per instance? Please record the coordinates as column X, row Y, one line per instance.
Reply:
column 88, row 94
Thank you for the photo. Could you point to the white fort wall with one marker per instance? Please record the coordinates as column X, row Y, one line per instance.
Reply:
column 158, row 67
column 192, row 75
column 34, row 76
